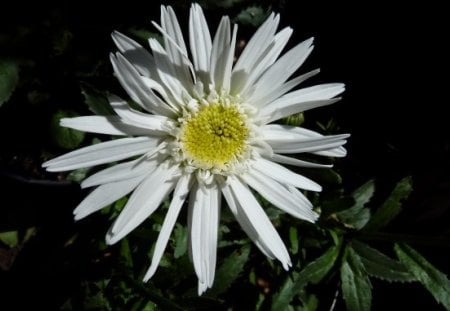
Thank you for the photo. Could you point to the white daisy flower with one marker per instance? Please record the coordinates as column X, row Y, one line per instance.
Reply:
column 205, row 130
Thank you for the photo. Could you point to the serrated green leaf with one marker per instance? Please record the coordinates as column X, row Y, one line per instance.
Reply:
column 180, row 239
column 336, row 205
column 431, row 278
column 10, row 238
column 381, row 266
column 313, row 272
column 356, row 287
column 363, row 194
column 9, row 76
column 357, row 216
column 229, row 271
column 96, row 101
column 354, row 217
column 65, row 137
column 392, row 206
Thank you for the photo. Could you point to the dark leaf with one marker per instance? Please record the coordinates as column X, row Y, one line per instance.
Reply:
column 9, row 76
column 392, row 206
column 313, row 272
column 97, row 101
column 381, row 266
column 65, row 137
column 356, row 287
column 435, row 281
column 229, row 271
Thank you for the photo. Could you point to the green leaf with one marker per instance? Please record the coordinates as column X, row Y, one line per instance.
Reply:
column 363, row 194
column 65, row 137
column 313, row 272
column 9, row 76
column 10, row 238
column 392, row 206
column 78, row 175
column 356, row 287
column 357, row 216
column 381, row 266
column 125, row 254
column 431, row 278
column 354, row 217
column 293, row 236
column 229, row 271
column 181, row 237
column 253, row 15
column 97, row 101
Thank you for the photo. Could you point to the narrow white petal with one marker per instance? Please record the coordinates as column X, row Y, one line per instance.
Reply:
column 139, row 88
column 243, row 221
column 135, row 54
column 334, row 152
column 179, row 196
column 110, row 125
column 120, row 172
column 137, row 118
column 205, row 221
column 195, row 231
column 250, row 206
column 143, row 202
column 279, row 196
column 105, row 195
column 167, row 73
column 284, row 67
column 284, row 175
column 200, row 40
column 264, row 97
column 297, row 162
column 175, row 46
column 302, row 100
column 257, row 44
column 220, row 53
column 101, row 153
column 290, row 139
column 265, row 60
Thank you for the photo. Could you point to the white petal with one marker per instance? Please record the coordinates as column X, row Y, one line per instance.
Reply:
column 120, row 172
column 302, row 100
column 110, row 125
column 101, row 153
column 200, row 40
column 243, row 221
column 168, row 74
column 138, row 89
column 265, row 60
column 255, row 47
column 264, row 97
column 137, row 118
column 284, row 67
column 179, row 196
column 104, row 195
column 205, row 220
column 250, row 206
column 284, row 175
column 220, row 55
column 279, row 196
column 290, row 139
column 143, row 202
column 135, row 54
column 175, row 46
column 334, row 152
column 296, row 162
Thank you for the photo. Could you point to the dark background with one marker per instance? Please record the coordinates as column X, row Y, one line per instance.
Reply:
column 393, row 60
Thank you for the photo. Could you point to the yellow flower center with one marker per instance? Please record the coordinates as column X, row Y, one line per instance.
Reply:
column 214, row 136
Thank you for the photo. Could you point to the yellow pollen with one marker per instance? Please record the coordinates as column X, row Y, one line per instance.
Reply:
column 214, row 135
